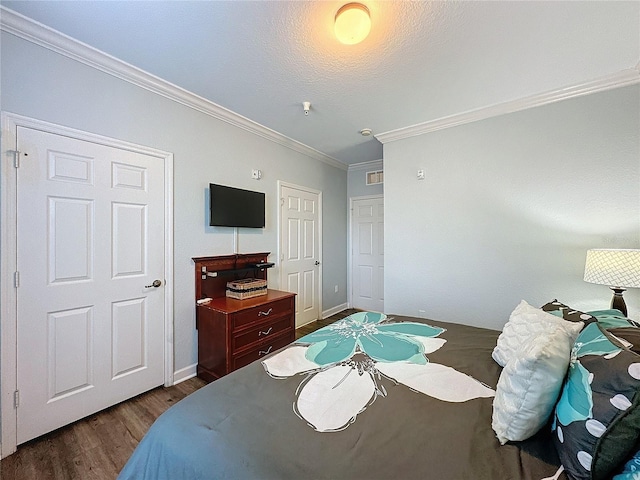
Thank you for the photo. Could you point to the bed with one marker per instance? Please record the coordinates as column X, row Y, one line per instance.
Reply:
column 555, row 395
column 370, row 397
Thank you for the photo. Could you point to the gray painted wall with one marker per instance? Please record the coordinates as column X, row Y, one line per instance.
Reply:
column 44, row 85
column 507, row 211
column 509, row 208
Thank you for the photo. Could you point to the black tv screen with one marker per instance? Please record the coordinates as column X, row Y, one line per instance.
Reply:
column 234, row 207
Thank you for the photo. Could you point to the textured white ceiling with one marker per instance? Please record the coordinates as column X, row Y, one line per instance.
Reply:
column 422, row 60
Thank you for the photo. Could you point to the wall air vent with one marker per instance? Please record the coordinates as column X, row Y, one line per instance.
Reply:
column 375, row 178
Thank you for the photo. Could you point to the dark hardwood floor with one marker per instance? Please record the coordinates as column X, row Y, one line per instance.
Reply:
column 97, row 447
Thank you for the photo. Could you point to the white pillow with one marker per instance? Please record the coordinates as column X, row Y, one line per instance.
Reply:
column 524, row 323
column 530, row 384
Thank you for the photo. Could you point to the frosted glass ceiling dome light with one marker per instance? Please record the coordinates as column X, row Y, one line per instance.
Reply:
column 353, row 23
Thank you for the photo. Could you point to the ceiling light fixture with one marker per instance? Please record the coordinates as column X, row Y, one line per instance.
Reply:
column 352, row 23
column 365, row 132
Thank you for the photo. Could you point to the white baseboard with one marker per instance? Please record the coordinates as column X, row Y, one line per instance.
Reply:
column 334, row 310
column 185, row 373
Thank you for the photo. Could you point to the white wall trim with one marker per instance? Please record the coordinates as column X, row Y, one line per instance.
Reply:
column 8, row 294
column 169, row 282
column 185, row 373
column 39, row 34
column 8, row 259
column 373, row 164
column 616, row 80
column 334, row 310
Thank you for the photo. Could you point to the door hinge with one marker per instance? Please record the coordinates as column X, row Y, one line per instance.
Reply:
column 282, row 202
column 16, row 158
column 16, row 399
column 16, row 279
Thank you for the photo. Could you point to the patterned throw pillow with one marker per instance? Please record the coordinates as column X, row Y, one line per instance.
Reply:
column 611, row 318
column 629, row 334
column 561, row 310
column 631, row 470
column 597, row 418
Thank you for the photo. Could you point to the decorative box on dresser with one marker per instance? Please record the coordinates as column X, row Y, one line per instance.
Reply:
column 233, row 333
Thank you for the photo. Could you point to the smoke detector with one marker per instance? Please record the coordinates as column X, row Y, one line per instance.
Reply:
column 365, row 132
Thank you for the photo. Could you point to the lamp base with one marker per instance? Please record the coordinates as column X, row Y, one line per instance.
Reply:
column 617, row 301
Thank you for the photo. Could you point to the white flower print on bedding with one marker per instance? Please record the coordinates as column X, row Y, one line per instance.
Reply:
column 344, row 362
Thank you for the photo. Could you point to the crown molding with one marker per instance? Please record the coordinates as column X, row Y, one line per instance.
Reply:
column 609, row 82
column 366, row 165
column 46, row 37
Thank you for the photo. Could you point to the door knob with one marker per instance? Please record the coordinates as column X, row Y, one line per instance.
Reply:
column 317, row 262
column 155, row 284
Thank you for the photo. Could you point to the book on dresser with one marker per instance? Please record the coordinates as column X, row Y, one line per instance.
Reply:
column 231, row 332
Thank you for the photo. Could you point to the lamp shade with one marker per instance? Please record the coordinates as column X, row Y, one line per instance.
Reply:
column 613, row 267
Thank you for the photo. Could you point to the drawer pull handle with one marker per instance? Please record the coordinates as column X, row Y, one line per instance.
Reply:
column 262, row 352
column 265, row 333
column 265, row 313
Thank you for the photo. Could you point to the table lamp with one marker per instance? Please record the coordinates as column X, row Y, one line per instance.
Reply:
column 618, row 268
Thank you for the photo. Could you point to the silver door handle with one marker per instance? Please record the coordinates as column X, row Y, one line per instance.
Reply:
column 155, row 284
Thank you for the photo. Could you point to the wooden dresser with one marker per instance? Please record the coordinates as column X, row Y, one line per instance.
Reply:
column 233, row 333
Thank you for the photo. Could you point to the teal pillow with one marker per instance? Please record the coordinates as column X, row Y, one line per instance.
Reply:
column 597, row 418
column 611, row 318
column 607, row 311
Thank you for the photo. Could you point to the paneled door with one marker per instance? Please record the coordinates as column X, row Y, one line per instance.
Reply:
column 90, row 300
column 300, row 250
column 367, row 254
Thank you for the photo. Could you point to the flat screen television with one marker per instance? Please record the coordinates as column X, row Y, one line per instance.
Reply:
column 234, row 207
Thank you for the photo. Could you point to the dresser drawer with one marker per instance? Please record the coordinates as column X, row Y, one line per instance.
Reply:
column 262, row 350
column 266, row 330
column 261, row 313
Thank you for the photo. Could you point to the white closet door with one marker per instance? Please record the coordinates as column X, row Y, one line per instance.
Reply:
column 300, row 250
column 90, row 246
column 367, row 240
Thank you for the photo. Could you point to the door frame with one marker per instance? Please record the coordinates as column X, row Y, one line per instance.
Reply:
column 281, row 184
column 8, row 259
column 350, row 243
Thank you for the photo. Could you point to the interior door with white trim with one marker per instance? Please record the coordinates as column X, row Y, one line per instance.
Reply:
column 367, row 242
column 90, row 256
column 300, row 250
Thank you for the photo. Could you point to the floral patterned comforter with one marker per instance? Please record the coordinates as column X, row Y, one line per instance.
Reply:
column 344, row 363
column 369, row 397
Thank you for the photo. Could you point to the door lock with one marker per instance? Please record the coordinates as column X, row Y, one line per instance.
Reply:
column 155, row 284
